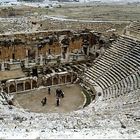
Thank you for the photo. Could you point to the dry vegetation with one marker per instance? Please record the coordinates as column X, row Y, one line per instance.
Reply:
column 99, row 12
column 22, row 15
column 92, row 12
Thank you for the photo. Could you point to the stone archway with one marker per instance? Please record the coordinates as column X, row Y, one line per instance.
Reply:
column 63, row 79
column 5, row 89
column 68, row 78
column 12, row 88
column 55, row 80
column 48, row 82
column 34, row 84
column 27, row 85
column 20, row 87
column 74, row 77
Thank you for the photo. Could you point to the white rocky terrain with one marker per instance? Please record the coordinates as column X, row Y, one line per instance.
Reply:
column 97, row 120
column 90, row 122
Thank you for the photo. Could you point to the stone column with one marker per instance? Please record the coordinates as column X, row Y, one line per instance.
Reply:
column 16, row 86
column 52, row 80
column 2, row 67
column 11, row 60
column 71, row 77
column 65, row 78
column 61, row 51
column 8, row 89
column 67, row 53
column 26, row 52
column 24, row 86
column 59, row 79
column 26, row 62
column 36, row 56
column 31, row 84
column 88, row 50
column 41, row 59
column 1, row 87
column 26, row 59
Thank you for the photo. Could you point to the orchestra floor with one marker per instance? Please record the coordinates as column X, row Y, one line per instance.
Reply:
column 73, row 99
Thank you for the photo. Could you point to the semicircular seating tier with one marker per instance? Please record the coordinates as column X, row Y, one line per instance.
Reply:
column 117, row 72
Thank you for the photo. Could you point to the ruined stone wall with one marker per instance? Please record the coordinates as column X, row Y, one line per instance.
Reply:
column 133, row 33
column 133, row 30
column 7, row 53
column 79, row 25
column 17, row 45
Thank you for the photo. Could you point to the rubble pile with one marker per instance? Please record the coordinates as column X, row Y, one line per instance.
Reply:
column 85, row 123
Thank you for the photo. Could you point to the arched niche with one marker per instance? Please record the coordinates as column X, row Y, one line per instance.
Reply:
column 12, row 88
column 55, row 80
column 27, row 85
column 63, row 79
column 48, row 82
column 20, row 87
column 74, row 77
column 5, row 89
column 34, row 84
column 68, row 78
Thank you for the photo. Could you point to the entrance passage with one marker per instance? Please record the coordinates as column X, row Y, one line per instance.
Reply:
column 73, row 99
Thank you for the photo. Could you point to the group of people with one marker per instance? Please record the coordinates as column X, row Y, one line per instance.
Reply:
column 59, row 94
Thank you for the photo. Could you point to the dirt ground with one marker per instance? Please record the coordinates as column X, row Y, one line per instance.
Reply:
column 20, row 17
column 125, row 12
column 32, row 100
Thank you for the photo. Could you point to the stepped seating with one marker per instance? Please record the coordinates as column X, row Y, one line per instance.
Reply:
column 131, row 116
column 117, row 72
column 102, row 66
column 135, row 26
column 131, row 100
column 82, row 67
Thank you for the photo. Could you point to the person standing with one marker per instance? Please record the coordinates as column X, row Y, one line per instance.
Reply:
column 44, row 101
column 49, row 90
column 57, row 101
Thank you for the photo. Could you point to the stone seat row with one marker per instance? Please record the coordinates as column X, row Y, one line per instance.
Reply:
column 108, row 62
column 108, row 59
column 117, row 77
column 116, row 73
column 120, row 87
column 131, row 100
